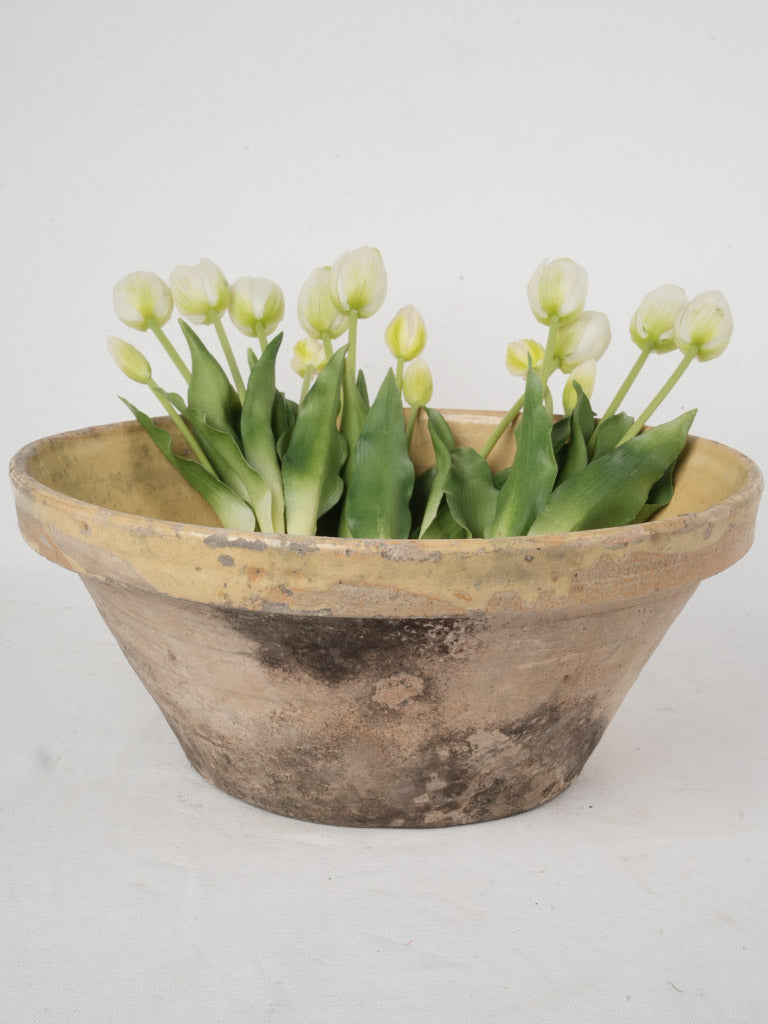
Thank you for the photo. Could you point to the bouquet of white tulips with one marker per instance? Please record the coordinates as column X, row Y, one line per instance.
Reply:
column 336, row 462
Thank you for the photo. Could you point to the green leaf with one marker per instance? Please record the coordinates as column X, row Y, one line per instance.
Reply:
column 611, row 490
column 353, row 415
column 256, row 430
column 469, row 491
column 233, row 467
column 422, row 486
column 443, row 445
column 381, row 480
column 284, row 413
column 561, row 431
column 209, row 387
column 362, row 387
column 575, row 455
column 534, row 469
column 608, row 433
column 444, row 527
column 439, row 427
column 659, row 495
column 316, row 452
column 232, row 511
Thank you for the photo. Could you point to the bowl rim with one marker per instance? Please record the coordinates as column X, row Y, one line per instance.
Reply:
column 24, row 481
column 356, row 577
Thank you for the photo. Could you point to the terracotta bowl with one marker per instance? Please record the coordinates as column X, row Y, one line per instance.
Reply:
column 368, row 682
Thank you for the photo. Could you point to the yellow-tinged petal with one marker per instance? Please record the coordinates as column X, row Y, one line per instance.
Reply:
column 406, row 334
column 141, row 298
column 133, row 363
column 417, row 383
column 255, row 302
column 199, row 291
column 557, row 288
column 705, row 324
column 359, row 281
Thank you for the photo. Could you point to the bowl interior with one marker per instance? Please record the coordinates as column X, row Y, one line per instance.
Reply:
column 118, row 467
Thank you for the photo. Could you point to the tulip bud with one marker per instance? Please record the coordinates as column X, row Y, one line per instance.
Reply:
column 359, row 281
column 586, row 337
column 705, row 324
column 654, row 320
column 142, row 297
column 128, row 358
column 557, row 288
column 518, row 354
column 255, row 302
column 318, row 314
column 406, row 334
column 417, row 383
column 584, row 375
column 199, row 291
column 308, row 356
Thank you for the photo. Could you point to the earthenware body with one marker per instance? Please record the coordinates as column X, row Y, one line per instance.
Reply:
column 374, row 682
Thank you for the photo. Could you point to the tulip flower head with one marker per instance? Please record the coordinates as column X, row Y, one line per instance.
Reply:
column 133, row 363
column 255, row 304
column 142, row 299
column 406, row 334
column 705, row 324
column 558, row 288
column 359, row 282
column 318, row 314
column 520, row 352
column 308, row 356
column 417, row 383
column 201, row 292
column 584, row 375
column 586, row 337
column 654, row 320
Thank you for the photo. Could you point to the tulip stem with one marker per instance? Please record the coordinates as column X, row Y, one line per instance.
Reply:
column 662, row 393
column 413, row 415
column 399, row 373
column 325, row 337
column 261, row 334
column 306, row 380
column 184, row 430
column 630, row 379
column 231, row 362
column 167, row 344
column 350, row 362
column 548, row 362
column 490, row 444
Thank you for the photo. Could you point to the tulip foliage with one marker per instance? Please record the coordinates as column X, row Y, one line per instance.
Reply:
column 336, row 462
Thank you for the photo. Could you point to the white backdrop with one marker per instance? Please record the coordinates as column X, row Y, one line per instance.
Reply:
column 467, row 142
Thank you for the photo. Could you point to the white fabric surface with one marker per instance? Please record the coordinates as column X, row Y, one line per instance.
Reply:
column 468, row 140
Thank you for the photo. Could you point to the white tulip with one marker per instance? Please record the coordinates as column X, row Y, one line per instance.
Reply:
column 359, row 282
column 255, row 302
column 417, row 383
column 557, row 288
column 654, row 320
column 406, row 334
column 141, row 299
column 518, row 354
column 201, row 292
column 584, row 375
column 317, row 311
column 586, row 337
column 133, row 363
column 705, row 324
column 308, row 355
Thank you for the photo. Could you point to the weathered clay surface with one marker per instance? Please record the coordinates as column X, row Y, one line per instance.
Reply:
column 396, row 683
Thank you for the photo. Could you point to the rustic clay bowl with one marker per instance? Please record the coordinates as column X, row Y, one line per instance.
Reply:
column 397, row 683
